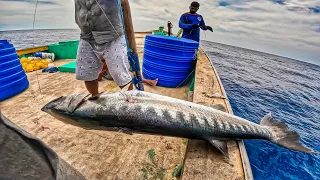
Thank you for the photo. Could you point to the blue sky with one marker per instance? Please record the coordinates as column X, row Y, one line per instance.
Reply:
column 289, row 28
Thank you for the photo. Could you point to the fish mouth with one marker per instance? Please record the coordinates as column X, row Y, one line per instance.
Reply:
column 50, row 105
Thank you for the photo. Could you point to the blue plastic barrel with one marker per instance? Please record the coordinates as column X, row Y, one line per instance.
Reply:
column 170, row 59
column 13, row 79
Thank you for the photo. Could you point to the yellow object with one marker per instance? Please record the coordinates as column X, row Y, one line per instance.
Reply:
column 24, row 64
column 29, row 68
column 179, row 33
column 23, row 60
column 38, row 64
column 44, row 61
column 33, row 64
column 36, row 68
column 43, row 66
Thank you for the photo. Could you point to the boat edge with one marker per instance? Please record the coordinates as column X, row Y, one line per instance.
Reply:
column 243, row 152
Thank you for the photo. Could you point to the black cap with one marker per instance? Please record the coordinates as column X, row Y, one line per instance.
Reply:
column 195, row 4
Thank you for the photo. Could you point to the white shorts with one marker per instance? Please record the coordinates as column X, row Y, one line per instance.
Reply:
column 90, row 56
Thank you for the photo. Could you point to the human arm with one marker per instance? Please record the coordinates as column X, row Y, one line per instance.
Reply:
column 183, row 24
column 204, row 26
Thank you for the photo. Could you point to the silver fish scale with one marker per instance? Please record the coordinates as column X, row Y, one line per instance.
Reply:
column 206, row 123
column 220, row 125
column 180, row 116
column 238, row 128
column 212, row 123
column 234, row 127
column 198, row 123
column 163, row 116
column 254, row 129
column 227, row 125
column 241, row 128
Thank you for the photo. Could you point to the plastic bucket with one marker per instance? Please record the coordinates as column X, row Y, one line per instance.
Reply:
column 165, row 81
column 167, row 72
column 168, row 57
column 171, row 51
column 7, row 49
column 173, row 40
column 6, row 71
column 168, row 61
column 13, row 79
column 8, row 57
column 171, row 46
column 13, row 88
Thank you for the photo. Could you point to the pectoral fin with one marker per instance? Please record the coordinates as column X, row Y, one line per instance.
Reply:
column 220, row 145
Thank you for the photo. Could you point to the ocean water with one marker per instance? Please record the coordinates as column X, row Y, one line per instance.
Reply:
column 22, row 39
column 256, row 83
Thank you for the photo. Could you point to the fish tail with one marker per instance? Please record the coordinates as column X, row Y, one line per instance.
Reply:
column 282, row 135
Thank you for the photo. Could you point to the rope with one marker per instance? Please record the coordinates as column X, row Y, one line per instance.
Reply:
column 186, row 78
column 108, row 18
column 34, row 19
column 33, row 45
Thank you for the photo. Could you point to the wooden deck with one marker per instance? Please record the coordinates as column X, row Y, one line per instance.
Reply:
column 109, row 155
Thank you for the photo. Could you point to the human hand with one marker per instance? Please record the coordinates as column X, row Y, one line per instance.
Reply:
column 195, row 26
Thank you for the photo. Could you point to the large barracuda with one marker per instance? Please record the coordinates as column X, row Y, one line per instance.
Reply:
column 143, row 112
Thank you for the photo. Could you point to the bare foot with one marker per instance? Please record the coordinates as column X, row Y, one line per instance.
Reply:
column 151, row 82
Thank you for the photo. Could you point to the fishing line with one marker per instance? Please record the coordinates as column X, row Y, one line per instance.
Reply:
column 205, row 35
column 33, row 45
column 107, row 18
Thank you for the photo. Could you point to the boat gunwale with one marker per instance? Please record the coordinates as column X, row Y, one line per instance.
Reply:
column 243, row 152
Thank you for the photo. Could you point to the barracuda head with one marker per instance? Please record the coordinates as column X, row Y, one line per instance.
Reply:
column 63, row 107
column 77, row 110
column 64, row 103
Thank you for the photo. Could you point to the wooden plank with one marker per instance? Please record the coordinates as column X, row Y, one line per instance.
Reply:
column 203, row 161
column 32, row 50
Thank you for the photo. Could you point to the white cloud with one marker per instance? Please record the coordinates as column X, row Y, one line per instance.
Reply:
column 19, row 14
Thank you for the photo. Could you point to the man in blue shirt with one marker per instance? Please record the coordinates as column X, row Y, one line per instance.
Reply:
column 191, row 22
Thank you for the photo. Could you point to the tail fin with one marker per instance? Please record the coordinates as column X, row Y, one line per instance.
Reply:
column 282, row 136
